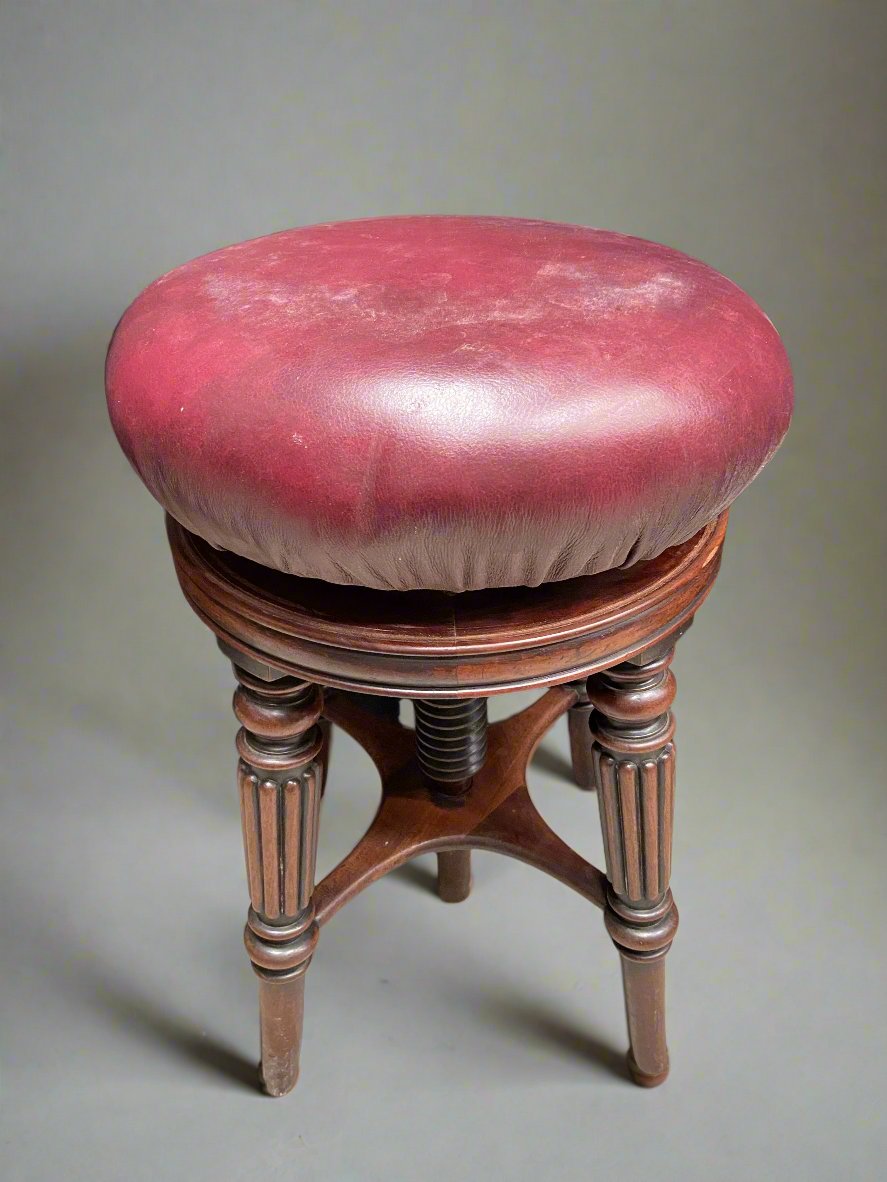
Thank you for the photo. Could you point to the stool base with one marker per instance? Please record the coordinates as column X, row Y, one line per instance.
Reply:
column 600, row 648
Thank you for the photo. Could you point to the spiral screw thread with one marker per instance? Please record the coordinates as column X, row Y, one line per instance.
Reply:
column 451, row 739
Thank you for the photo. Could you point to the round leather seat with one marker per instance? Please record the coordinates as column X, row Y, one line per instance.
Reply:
column 446, row 402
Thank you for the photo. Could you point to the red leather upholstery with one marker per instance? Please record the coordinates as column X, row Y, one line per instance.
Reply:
column 446, row 402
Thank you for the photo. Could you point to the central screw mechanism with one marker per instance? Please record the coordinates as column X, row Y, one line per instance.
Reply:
column 451, row 742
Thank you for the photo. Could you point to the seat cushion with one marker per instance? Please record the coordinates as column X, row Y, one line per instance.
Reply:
column 446, row 402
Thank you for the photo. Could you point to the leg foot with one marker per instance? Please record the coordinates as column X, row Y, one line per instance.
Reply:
column 454, row 875
column 643, row 937
column 281, row 1010
column 645, row 1081
column 643, row 980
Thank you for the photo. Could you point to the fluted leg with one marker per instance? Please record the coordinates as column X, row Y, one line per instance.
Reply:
column 280, row 772
column 581, row 742
column 634, row 759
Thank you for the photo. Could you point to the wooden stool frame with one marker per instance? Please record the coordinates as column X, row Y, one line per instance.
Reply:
column 601, row 647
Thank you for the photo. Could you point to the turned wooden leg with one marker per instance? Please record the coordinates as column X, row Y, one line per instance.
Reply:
column 581, row 742
column 634, row 760
column 454, row 875
column 280, row 772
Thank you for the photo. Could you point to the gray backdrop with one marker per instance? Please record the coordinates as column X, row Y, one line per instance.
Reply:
column 439, row 1041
